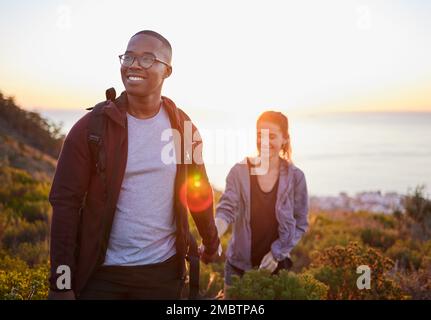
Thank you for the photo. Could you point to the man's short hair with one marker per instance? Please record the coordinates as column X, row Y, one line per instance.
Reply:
column 158, row 36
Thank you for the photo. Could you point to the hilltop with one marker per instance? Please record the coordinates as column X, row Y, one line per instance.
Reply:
column 27, row 140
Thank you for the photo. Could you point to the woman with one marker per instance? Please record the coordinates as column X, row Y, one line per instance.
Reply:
column 266, row 199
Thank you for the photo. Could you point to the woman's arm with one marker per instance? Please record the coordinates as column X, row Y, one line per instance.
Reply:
column 227, row 208
column 300, row 214
column 300, row 211
column 293, row 228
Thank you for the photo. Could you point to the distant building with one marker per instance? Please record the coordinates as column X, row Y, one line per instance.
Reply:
column 373, row 201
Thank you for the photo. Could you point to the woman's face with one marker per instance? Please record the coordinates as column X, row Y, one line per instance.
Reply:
column 275, row 139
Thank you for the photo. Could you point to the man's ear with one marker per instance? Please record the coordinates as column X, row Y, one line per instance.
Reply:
column 168, row 72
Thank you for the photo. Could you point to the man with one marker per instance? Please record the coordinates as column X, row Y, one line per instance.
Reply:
column 124, row 234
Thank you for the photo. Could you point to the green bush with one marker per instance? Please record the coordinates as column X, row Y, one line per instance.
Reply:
column 417, row 283
column 409, row 254
column 387, row 221
column 35, row 211
column 379, row 238
column 261, row 285
column 19, row 282
column 324, row 232
column 406, row 254
column 32, row 254
column 18, row 186
column 337, row 267
column 418, row 208
column 22, row 231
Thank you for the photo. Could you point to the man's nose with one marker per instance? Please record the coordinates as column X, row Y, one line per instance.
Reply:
column 135, row 64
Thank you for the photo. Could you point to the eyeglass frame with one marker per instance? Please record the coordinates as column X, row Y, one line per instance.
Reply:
column 136, row 57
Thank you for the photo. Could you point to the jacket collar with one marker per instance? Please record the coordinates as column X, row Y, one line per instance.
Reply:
column 285, row 182
column 117, row 110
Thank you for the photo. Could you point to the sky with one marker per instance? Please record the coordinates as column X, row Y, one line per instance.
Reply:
column 241, row 56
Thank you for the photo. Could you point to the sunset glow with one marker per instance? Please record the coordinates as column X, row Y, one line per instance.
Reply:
column 298, row 56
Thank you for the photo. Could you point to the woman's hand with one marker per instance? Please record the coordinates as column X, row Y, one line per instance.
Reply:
column 208, row 259
column 268, row 262
column 221, row 226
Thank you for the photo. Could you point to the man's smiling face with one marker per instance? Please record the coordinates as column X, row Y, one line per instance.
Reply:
column 139, row 81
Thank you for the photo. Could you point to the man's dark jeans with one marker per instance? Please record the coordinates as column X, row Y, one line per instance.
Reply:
column 163, row 280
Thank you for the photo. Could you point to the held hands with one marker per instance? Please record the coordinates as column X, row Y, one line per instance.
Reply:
column 221, row 226
column 268, row 262
column 206, row 258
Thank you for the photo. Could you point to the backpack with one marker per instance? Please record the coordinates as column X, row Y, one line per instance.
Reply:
column 97, row 125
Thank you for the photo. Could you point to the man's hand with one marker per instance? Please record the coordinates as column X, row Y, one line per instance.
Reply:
column 61, row 295
column 209, row 258
column 268, row 262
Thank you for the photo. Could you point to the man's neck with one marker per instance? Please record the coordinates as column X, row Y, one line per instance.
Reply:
column 144, row 107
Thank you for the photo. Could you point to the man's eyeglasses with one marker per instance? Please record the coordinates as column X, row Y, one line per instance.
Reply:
column 145, row 61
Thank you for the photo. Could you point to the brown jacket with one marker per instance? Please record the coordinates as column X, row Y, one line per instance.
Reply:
column 80, row 206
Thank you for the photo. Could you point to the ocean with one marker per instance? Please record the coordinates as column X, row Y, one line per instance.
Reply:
column 338, row 152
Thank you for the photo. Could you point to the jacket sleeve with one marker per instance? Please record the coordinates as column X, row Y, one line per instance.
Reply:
column 227, row 208
column 282, row 250
column 202, row 216
column 66, row 196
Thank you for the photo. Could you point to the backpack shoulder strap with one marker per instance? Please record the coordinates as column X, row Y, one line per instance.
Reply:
column 96, row 133
column 192, row 254
column 194, row 260
column 96, row 130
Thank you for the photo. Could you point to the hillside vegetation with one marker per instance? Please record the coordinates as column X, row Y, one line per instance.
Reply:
column 27, row 140
column 396, row 247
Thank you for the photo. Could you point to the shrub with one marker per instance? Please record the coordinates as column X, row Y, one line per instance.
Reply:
column 337, row 266
column 19, row 282
column 23, row 196
column 324, row 232
column 387, row 221
column 406, row 254
column 418, row 208
column 35, row 211
column 23, row 231
column 378, row 238
column 417, row 283
column 261, row 285
column 32, row 254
